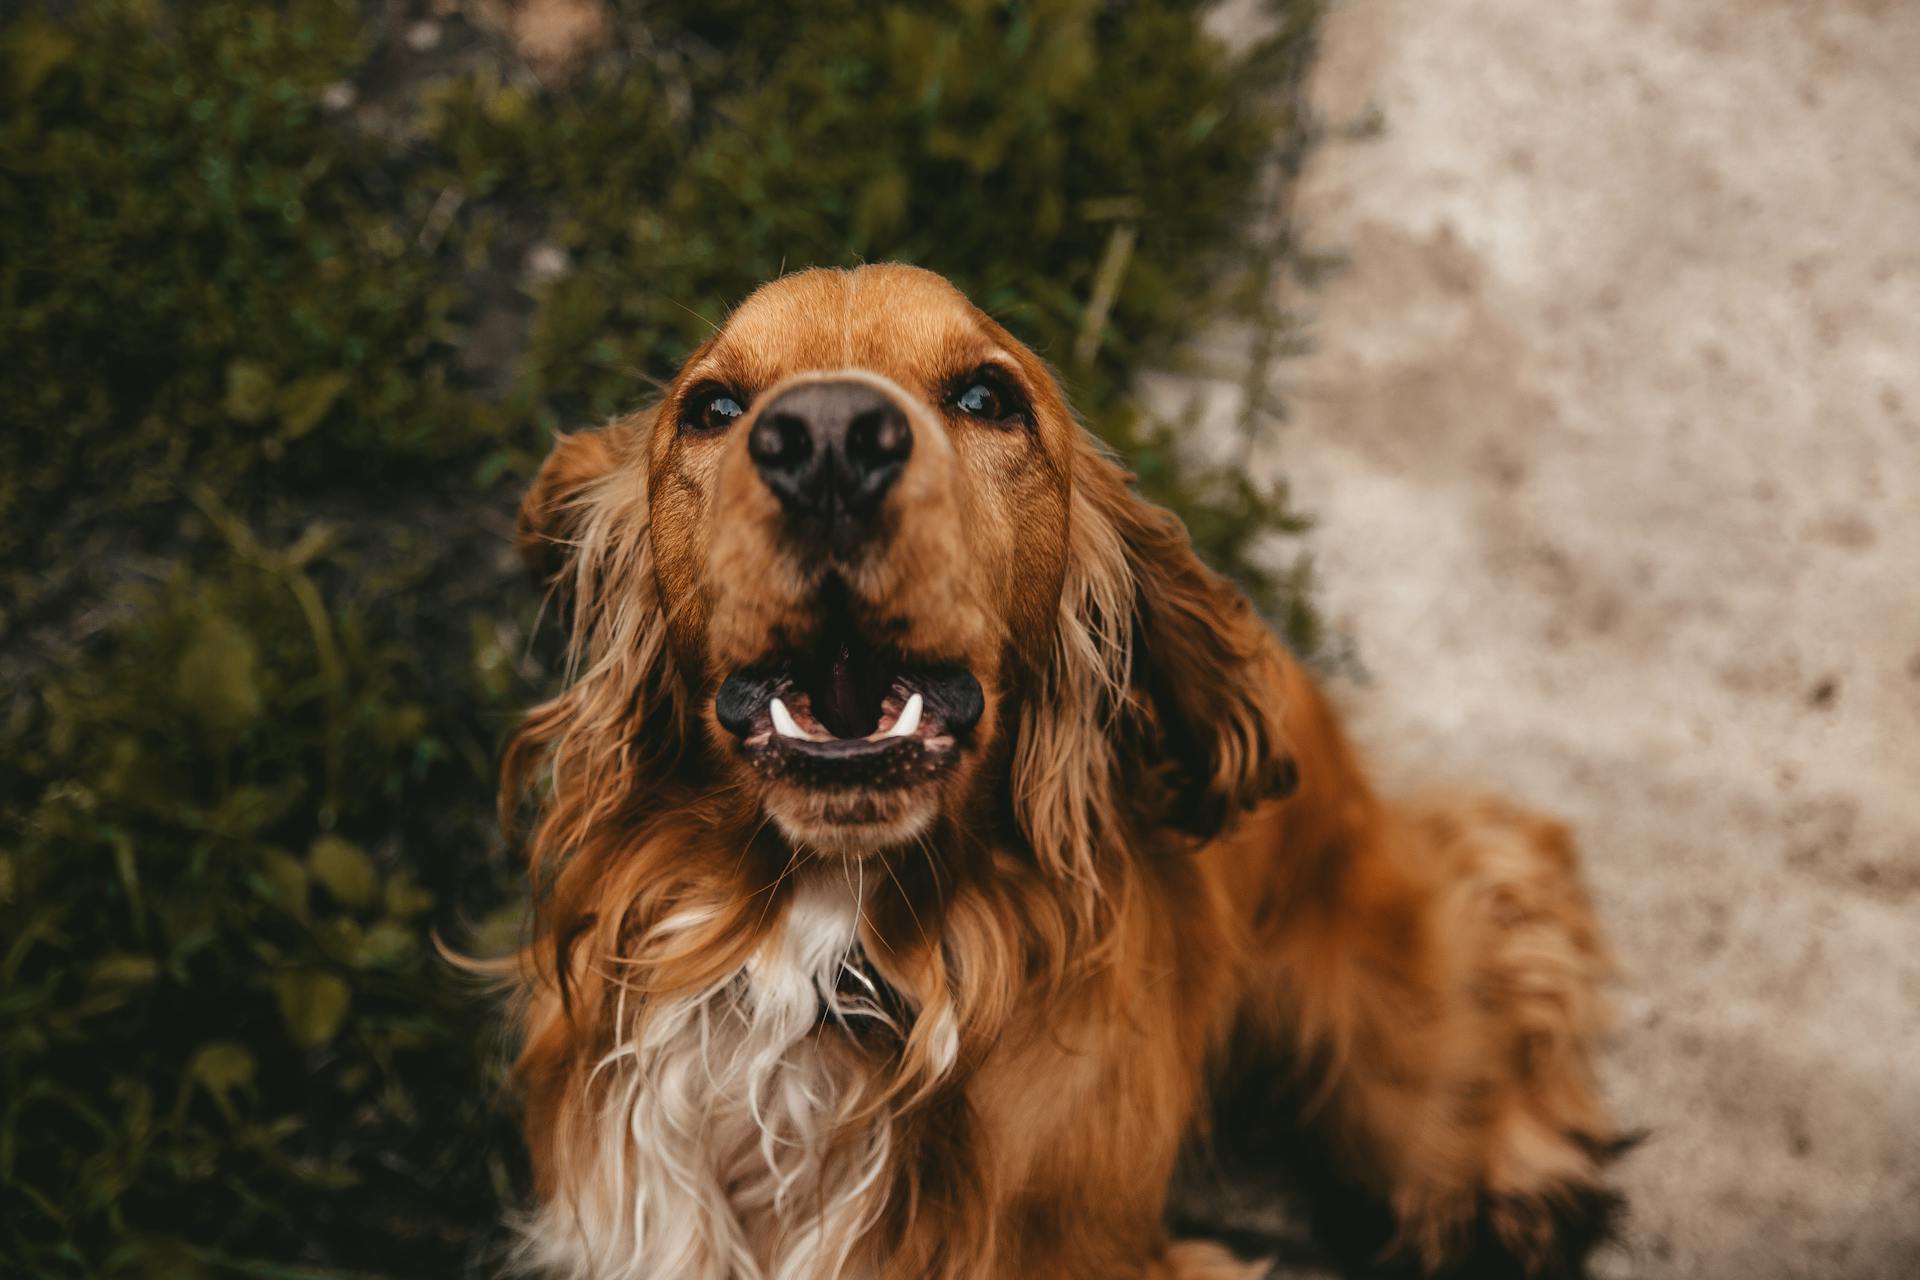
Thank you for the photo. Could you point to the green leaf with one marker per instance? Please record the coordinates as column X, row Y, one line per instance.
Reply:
column 313, row 1004
column 386, row 944
column 215, row 681
column 305, row 401
column 221, row 1066
column 122, row 969
column 405, row 899
column 348, row 874
column 249, row 390
column 284, row 878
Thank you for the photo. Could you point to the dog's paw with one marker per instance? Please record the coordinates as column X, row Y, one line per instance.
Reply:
column 1548, row 1237
column 1549, row 1234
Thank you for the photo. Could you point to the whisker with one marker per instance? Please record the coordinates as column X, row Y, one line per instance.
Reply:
column 925, row 941
column 793, row 860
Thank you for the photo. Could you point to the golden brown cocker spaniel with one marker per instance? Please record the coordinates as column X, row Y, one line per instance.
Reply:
column 923, row 831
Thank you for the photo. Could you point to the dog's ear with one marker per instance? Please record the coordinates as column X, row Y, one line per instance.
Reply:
column 621, row 724
column 552, row 511
column 1209, row 668
column 1164, row 694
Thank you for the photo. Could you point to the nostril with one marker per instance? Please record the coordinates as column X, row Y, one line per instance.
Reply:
column 780, row 442
column 875, row 450
column 878, row 436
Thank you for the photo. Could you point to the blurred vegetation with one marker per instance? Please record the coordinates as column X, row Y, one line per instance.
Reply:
column 292, row 297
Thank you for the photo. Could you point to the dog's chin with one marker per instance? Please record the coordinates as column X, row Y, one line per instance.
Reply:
column 851, row 823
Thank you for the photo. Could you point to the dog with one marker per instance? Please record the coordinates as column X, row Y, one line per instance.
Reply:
column 924, row 833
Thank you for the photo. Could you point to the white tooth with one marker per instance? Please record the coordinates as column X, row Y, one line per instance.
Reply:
column 783, row 720
column 909, row 718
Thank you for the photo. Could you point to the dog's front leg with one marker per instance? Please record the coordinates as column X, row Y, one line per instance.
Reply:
column 1442, row 990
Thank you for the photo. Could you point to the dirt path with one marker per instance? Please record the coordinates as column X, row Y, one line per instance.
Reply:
column 1614, row 438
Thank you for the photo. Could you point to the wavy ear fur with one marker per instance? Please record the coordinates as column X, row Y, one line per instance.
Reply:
column 1164, row 693
column 1211, row 670
column 554, row 507
column 622, row 722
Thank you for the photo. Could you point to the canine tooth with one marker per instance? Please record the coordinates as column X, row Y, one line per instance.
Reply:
column 783, row 721
column 909, row 718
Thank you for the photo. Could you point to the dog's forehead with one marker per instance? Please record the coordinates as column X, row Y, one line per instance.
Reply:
column 905, row 322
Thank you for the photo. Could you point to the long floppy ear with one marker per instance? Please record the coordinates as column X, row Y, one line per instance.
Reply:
column 1211, row 670
column 622, row 722
column 556, row 502
column 1165, row 691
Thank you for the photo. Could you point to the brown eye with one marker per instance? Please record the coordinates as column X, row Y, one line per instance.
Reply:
column 986, row 395
column 710, row 411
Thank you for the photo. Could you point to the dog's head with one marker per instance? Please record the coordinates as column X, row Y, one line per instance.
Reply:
column 861, row 572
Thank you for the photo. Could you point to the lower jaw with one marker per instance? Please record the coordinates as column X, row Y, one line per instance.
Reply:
column 853, row 824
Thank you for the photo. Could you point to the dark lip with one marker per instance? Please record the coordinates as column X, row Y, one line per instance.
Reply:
column 952, row 703
column 855, row 764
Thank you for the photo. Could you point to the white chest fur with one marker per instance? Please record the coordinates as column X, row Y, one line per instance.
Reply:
column 711, row 1157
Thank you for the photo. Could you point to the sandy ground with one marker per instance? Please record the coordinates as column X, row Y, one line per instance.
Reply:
column 1613, row 434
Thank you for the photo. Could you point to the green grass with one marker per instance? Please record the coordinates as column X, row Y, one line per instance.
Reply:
column 274, row 374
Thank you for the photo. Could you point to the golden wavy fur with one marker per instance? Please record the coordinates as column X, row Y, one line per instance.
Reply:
column 953, row 1013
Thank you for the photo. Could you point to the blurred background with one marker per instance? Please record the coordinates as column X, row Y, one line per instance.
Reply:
column 1585, row 335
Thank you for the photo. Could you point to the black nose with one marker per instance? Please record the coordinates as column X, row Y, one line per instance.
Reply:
column 830, row 450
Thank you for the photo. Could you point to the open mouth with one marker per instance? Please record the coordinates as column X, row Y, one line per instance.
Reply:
column 848, row 715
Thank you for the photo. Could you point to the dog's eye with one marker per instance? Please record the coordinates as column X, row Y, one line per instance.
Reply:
column 712, row 410
column 979, row 401
column 986, row 396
